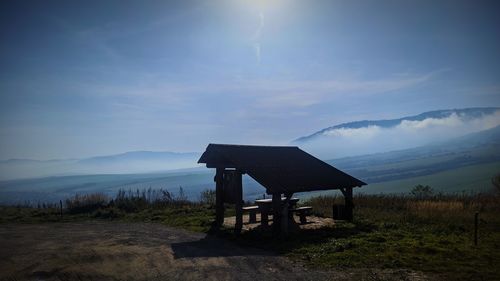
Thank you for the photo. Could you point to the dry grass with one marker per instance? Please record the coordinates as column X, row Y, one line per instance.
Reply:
column 86, row 202
column 435, row 206
column 439, row 207
column 433, row 234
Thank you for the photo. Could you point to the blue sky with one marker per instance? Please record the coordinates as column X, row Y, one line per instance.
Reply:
column 83, row 78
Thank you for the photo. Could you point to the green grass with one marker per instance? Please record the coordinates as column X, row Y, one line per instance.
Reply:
column 10, row 214
column 475, row 177
column 433, row 235
column 425, row 248
column 429, row 160
column 191, row 217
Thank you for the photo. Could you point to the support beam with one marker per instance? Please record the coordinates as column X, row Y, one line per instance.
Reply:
column 276, row 213
column 219, row 197
column 238, row 202
column 349, row 205
column 286, row 215
column 264, row 217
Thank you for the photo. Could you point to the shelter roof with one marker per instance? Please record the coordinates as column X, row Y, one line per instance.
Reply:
column 283, row 169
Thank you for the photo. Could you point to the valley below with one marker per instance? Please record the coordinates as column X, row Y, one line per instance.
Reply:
column 465, row 164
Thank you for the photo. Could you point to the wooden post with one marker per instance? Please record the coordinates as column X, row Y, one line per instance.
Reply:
column 476, row 223
column 238, row 203
column 285, row 218
column 219, row 197
column 349, row 205
column 264, row 216
column 276, row 213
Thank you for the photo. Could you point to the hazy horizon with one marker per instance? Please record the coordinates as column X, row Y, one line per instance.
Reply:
column 334, row 143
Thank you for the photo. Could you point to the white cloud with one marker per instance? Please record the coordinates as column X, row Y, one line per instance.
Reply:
column 342, row 142
column 452, row 121
column 366, row 132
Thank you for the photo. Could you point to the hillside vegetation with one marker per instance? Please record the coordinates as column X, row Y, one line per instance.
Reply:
column 433, row 234
column 423, row 232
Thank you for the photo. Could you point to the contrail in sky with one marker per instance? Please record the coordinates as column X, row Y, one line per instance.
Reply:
column 257, row 36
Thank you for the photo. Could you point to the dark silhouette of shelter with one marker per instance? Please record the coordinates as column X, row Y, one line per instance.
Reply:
column 280, row 169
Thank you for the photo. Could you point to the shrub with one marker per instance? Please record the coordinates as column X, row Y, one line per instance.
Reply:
column 207, row 197
column 130, row 201
column 421, row 191
column 108, row 213
column 86, row 203
column 134, row 201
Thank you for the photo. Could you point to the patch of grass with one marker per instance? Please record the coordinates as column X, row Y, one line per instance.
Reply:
column 29, row 215
column 433, row 235
column 148, row 205
column 191, row 217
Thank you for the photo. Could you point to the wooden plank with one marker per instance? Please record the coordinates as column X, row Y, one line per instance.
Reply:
column 252, row 213
column 304, row 208
column 219, row 196
column 302, row 212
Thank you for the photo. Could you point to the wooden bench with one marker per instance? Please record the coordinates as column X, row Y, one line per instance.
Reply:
column 302, row 212
column 252, row 212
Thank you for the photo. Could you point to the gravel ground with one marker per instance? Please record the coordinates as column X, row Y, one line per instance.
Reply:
column 144, row 251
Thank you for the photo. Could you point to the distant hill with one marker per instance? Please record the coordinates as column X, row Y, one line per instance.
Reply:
column 472, row 149
column 466, row 114
column 129, row 162
column 450, row 164
column 140, row 156
column 463, row 164
column 378, row 136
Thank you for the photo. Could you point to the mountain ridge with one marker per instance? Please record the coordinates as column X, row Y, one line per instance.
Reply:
column 466, row 113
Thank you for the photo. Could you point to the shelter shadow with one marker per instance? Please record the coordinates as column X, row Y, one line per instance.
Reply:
column 211, row 246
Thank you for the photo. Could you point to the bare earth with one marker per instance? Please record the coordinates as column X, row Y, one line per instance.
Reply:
column 143, row 251
column 313, row 222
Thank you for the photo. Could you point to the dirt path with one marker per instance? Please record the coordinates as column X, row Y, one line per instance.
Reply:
column 138, row 251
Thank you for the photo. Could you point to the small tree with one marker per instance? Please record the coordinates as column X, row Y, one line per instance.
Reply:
column 207, row 197
column 422, row 191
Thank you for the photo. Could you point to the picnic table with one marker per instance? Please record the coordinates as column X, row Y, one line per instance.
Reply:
column 265, row 207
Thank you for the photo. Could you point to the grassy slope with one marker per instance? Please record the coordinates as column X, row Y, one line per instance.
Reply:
column 476, row 178
column 471, row 178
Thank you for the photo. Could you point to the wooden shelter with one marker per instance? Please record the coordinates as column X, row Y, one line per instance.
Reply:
column 282, row 170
